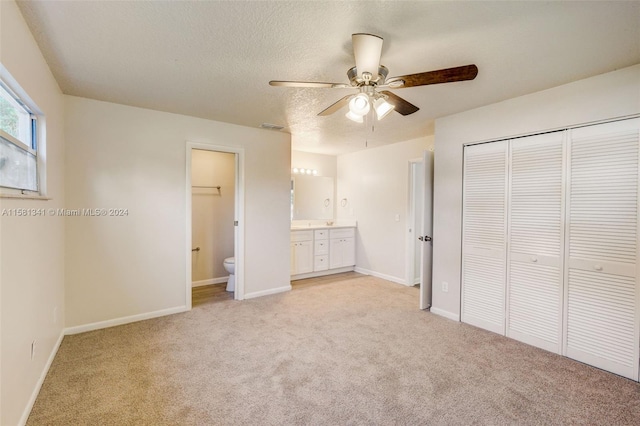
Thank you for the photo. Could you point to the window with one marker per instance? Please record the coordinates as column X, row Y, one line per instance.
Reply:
column 18, row 142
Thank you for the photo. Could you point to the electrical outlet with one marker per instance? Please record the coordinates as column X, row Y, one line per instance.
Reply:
column 33, row 350
column 445, row 287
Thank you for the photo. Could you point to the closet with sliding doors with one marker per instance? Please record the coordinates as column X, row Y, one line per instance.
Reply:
column 550, row 242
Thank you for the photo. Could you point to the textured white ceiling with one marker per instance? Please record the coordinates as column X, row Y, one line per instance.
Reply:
column 214, row 59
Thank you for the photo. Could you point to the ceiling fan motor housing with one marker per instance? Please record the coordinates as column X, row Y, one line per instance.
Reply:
column 375, row 80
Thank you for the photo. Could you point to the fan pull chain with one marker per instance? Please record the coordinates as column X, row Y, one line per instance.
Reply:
column 366, row 133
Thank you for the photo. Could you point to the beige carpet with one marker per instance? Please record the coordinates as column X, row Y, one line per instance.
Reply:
column 354, row 352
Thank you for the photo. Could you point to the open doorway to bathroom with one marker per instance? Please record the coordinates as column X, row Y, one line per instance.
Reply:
column 214, row 199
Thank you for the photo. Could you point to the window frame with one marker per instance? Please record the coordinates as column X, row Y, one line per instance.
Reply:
column 37, row 139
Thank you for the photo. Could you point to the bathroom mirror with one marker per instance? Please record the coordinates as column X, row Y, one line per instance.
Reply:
column 311, row 197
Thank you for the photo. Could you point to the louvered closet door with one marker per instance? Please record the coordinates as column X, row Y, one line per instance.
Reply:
column 602, row 290
column 484, row 235
column 534, row 285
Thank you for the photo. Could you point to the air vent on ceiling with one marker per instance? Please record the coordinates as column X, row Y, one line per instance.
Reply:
column 270, row 126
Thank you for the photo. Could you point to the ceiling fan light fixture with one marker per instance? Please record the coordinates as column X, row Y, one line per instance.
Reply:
column 354, row 117
column 359, row 105
column 382, row 107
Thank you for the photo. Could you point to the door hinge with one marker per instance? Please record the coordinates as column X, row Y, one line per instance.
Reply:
column 235, row 223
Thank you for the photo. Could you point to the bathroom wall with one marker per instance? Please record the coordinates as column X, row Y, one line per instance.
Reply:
column 212, row 214
column 375, row 184
column 326, row 165
column 32, row 248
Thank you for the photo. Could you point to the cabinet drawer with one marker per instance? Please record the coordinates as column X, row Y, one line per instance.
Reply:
column 321, row 263
column 321, row 247
column 342, row 233
column 301, row 235
column 321, row 234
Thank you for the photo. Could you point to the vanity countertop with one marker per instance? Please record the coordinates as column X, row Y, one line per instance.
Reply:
column 313, row 227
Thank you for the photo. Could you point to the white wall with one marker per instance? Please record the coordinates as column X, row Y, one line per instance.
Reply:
column 212, row 213
column 32, row 248
column 602, row 97
column 375, row 183
column 124, row 157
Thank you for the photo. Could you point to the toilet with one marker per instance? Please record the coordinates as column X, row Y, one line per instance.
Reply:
column 230, row 267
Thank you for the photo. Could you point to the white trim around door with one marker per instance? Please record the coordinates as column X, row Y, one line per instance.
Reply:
column 239, row 216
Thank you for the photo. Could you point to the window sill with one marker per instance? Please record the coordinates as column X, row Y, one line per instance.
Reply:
column 26, row 197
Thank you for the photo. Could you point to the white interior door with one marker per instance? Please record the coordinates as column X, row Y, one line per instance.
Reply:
column 484, row 229
column 602, row 297
column 416, row 218
column 426, row 252
column 536, row 231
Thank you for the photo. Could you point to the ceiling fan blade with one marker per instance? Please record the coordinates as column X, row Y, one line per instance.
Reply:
column 447, row 75
column 335, row 106
column 402, row 106
column 310, row 84
column 367, row 49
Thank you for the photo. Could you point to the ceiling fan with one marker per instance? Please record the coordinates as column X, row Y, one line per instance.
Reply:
column 369, row 76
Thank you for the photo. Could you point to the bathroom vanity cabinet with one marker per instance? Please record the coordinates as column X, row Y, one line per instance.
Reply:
column 301, row 252
column 322, row 251
column 342, row 248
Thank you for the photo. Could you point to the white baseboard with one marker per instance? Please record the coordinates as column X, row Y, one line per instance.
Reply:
column 267, row 292
column 123, row 320
column 446, row 314
column 322, row 273
column 209, row 281
column 43, row 375
column 379, row 275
